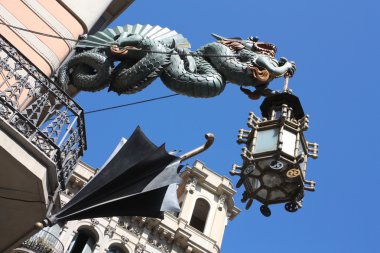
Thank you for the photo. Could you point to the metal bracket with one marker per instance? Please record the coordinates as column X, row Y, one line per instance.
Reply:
column 312, row 150
column 243, row 136
column 234, row 169
column 311, row 186
column 304, row 123
column 253, row 121
column 246, row 155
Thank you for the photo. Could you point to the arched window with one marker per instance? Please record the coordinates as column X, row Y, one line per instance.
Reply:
column 116, row 249
column 83, row 242
column 200, row 213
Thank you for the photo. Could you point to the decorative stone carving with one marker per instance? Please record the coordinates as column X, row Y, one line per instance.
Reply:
column 171, row 238
column 94, row 222
column 142, row 221
column 191, row 184
column 221, row 201
column 121, row 222
column 135, row 230
column 189, row 249
column 109, row 231
column 163, row 234
column 139, row 248
column 156, row 230
column 164, row 248
column 160, row 244
column 124, row 239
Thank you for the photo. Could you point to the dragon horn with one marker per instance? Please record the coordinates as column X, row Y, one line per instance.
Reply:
column 218, row 37
column 174, row 44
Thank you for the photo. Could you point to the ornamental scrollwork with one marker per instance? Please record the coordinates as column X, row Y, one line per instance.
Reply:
column 221, row 201
column 94, row 222
column 109, row 231
column 191, row 184
column 139, row 248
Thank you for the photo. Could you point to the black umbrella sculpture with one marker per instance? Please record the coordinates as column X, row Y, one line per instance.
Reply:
column 138, row 180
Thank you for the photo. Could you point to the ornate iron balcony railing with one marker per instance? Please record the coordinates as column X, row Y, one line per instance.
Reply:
column 39, row 110
column 43, row 242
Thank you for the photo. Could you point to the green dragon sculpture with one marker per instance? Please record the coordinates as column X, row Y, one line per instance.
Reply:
column 129, row 58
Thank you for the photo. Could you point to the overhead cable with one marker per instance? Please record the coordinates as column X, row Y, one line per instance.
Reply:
column 129, row 104
column 103, row 45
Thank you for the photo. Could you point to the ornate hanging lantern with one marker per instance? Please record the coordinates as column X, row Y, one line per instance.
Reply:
column 275, row 154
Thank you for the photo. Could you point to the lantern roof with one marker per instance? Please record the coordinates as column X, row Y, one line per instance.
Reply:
column 278, row 100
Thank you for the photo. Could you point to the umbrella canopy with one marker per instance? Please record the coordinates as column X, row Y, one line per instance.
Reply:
column 138, row 180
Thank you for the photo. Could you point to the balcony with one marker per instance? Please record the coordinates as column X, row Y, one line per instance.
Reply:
column 40, row 111
column 42, row 137
column 42, row 242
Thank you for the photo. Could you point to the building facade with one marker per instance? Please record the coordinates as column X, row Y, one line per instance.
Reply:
column 40, row 144
column 65, row 19
column 206, row 201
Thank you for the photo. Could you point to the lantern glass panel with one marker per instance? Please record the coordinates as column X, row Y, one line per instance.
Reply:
column 267, row 140
column 289, row 142
column 271, row 180
column 277, row 114
column 255, row 183
column 277, row 194
column 263, row 193
column 256, row 172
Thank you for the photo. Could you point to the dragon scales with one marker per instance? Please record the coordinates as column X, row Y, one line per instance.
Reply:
column 129, row 58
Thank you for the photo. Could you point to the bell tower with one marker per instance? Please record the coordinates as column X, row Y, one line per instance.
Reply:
column 206, row 201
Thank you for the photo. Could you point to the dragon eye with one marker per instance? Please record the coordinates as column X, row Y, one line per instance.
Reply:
column 254, row 39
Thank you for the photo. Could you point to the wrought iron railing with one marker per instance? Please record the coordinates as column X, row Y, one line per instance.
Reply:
column 39, row 110
column 43, row 242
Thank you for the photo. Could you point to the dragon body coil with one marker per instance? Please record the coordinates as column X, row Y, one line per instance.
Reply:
column 134, row 56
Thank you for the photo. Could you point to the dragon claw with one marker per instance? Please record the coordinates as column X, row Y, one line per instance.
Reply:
column 254, row 95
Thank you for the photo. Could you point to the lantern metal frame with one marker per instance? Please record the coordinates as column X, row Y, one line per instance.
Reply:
column 276, row 174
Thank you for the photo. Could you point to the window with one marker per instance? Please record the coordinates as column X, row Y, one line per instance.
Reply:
column 116, row 249
column 200, row 213
column 84, row 242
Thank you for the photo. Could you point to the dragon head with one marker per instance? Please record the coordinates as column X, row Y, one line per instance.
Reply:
column 127, row 39
column 124, row 42
column 252, row 44
column 261, row 47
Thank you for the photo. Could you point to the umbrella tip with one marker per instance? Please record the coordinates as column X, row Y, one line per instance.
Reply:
column 209, row 141
column 39, row 225
column 210, row 137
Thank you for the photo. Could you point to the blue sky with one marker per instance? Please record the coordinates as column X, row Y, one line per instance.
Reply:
column 335, row 47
